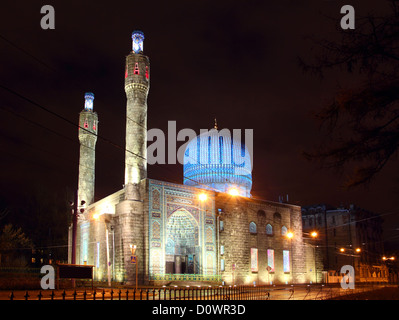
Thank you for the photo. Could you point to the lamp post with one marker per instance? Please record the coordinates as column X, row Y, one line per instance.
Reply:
column 290, row 235
column 314, row 236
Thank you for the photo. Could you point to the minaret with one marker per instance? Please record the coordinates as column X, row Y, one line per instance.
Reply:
column 88, row 128
column 137, row 85
column 131, row 209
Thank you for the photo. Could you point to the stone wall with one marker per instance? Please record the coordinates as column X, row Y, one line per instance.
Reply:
column 237, row 240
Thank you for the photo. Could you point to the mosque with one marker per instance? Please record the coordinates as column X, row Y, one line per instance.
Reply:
column 209, row 229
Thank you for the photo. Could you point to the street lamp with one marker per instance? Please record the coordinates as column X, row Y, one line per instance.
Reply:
column 290, row 235
column 390, row 258
column 233, row 192
column 203, row 196
column 314, row 235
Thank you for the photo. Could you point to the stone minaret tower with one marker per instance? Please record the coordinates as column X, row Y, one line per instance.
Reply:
column 137, row 83
column 88, row 128
column 130, row 211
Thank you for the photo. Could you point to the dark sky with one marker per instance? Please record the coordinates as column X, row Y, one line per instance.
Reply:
column 233, row 60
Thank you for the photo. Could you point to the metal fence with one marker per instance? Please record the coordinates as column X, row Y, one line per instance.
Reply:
column 299, row 292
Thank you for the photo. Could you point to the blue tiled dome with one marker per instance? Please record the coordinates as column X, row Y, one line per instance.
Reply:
column 214, row 160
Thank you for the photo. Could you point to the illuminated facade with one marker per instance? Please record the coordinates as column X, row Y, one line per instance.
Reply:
column 195, row 231
column 88, row 128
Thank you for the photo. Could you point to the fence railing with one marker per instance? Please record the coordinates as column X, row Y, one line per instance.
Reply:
column 298, row 292
column 186, row 277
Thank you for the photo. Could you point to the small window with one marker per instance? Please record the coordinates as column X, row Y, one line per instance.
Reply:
column 269, row 229
column 252, row 227
column 136, row 69
column 284, row 231
column 221, row 225
column 222, row 250
column 222, row 265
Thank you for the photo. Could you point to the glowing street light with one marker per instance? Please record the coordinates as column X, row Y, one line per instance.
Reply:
column 290, row 235
column 314, row 234
column 203, row 197
column 342, row 249
column 96, row 216
column 358, row 250
column 233, row 192
column 385, row 258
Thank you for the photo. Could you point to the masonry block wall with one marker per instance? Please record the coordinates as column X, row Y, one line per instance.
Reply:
column 250, row 228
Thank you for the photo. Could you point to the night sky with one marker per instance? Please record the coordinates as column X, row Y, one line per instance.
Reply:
column 233, row 60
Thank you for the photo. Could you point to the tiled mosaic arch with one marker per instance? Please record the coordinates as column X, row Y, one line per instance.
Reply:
column 169, row 203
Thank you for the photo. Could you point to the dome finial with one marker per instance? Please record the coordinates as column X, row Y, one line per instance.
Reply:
column 216, row 124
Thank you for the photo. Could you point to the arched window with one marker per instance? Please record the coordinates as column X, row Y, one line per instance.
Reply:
column 261, row 217
column 283, row 230
column 269, row 229
column 252, row 227
column 277, row 220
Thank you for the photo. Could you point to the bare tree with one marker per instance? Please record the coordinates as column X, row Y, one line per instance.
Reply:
column 361, row 125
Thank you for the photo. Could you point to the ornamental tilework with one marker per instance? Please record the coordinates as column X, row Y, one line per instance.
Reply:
column 180, row 227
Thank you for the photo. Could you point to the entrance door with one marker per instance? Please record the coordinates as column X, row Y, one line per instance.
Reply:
column 182, row 241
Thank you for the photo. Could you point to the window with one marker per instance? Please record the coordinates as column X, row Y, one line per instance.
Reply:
column 222, row 265
column 286, row 260
column 277, row 218
column 254, row 259
column 284, row 231
column 136, row 69
column 222, row 250
column 146, row 72
column 98, row 255
column 269, row 229
column 270, row 260
column 252, row 227
column 221, row 225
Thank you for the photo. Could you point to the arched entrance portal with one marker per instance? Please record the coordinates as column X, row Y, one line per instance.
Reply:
column 182, row 252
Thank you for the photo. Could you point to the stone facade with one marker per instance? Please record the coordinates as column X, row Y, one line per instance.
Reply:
column 247, row 224
column 88, row 129
column 222, row 238
column 137, row 84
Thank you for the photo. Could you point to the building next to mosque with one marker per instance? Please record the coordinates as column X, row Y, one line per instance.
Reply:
column 208, row 229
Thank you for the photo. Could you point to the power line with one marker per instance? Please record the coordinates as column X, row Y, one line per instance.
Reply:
column 115, row 145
